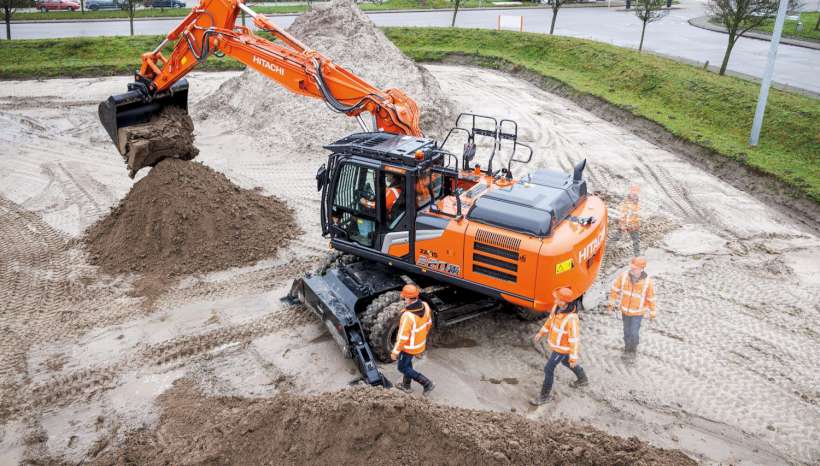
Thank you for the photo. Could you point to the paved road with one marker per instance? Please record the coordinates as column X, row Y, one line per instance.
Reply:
column 796, row 67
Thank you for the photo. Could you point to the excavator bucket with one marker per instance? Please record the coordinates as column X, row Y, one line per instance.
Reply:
column 137, row 107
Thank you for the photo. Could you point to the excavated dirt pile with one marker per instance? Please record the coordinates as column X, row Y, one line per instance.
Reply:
column 185, row 218
column 295, row 124
column 170, row 134
column 364, row 426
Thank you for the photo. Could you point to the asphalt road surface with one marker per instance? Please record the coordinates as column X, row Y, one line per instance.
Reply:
column 797, row 67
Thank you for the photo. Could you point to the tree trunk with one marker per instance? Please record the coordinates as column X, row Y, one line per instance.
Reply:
column 643, row 31
column 7, row 15
column 554, row 15
column 817, row 26
column 131, row 19
column 728, row 52
column 455, row 12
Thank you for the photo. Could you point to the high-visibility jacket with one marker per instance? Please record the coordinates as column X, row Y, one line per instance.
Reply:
column 390, row 197
column 633, row 298
column 412, row 335
column 629, row 219
column 563, row 333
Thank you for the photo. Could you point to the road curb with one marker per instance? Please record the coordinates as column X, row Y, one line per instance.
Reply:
column 702, row 22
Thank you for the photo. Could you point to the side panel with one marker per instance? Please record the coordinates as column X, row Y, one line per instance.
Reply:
column 440, row 244
column 501, row 259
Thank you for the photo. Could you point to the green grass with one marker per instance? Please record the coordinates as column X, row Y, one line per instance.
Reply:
column 696, row 105
column 790, row 27
column 276, row 9
column 83, row 56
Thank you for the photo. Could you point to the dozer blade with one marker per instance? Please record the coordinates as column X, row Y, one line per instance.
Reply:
column 137, row 107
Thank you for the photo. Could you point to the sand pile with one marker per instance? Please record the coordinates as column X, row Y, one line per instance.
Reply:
column 185, row 218
column 292, row 124
column 364, row 426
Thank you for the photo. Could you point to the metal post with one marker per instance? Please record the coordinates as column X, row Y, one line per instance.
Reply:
column 767, row 75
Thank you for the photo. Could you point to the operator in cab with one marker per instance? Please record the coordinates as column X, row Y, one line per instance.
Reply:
column 411, row 339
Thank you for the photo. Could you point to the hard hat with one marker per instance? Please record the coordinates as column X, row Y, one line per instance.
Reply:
column 634, row 189
column 639, row 262
column 564, row 294
column 410, row 291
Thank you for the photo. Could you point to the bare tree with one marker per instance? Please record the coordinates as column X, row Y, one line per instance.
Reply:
column 455, row 12
column 9, row 8
column 555, row 5
column 649, row 11
column 131, row 6
column 738, row 16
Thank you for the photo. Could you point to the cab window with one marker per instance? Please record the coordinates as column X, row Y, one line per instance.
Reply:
column 428, row 187
column 354, row 203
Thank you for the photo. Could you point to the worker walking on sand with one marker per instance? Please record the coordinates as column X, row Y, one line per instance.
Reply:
column 634, row 294
column 629, row 221
column 411, row 339
column 563, row 332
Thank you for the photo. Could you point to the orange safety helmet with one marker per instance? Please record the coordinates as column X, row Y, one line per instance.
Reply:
column 410, row 292
column 639, row 262
column 564, row 294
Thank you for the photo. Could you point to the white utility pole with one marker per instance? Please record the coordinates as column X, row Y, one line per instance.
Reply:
column 767, row 75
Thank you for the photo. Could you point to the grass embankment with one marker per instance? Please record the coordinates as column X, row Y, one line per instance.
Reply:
column 693, row 104
column 809, row 20
column 268, row 10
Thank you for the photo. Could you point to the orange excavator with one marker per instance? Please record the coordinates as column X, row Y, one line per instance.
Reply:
column 398, row 207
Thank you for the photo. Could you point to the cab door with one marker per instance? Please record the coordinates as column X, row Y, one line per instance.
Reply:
column 354, row 203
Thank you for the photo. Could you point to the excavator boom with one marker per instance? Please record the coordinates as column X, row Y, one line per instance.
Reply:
column 210, row 29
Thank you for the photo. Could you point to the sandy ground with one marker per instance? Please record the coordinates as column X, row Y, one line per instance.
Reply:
column 728, row 373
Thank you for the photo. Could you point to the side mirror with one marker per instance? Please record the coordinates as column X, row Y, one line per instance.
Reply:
column 321, row 178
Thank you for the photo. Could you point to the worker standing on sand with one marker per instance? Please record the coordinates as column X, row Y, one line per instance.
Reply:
column 629, row 221
column 411, row 339
column 563, row 332
column 634, row 294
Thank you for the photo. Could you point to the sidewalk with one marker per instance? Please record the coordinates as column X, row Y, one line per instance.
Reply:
column 703, row 23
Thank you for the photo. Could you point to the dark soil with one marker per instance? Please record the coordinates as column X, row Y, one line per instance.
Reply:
column 364, row 426
column 170, row 134
column 184, row 218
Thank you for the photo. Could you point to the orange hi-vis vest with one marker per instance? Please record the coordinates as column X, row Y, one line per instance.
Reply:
column 390, row 197
column 413, row 329
column 629, row 219
column 563, row 333
column 633, row 299
column 393, row 195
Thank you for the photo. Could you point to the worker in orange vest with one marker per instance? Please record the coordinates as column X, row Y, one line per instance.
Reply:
column 634, row 295
column 411, row 339
column 563, row 332
column 391, row 195
column 629, row 221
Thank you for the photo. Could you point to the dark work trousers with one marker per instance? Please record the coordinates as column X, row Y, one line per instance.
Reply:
column 549, row 370
column 406, row 367
column 632, row 329
column 636, row 240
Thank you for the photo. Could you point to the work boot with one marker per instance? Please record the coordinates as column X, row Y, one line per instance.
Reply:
column 582, row 381
column 404, row 385
column 427, row 384
column 541, row 399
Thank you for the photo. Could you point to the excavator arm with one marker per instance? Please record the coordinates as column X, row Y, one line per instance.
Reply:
column 210, row 29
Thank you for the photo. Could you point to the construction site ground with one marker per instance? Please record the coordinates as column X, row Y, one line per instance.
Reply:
column 728, row 373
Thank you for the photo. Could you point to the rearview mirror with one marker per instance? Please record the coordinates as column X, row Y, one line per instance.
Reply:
column 321, row 177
